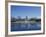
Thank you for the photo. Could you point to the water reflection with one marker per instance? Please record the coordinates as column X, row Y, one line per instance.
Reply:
column 25, row 26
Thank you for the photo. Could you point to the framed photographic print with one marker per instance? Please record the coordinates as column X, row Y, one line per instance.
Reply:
column 25, row 18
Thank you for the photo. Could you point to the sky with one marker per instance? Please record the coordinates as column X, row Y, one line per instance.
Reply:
column 23, row 11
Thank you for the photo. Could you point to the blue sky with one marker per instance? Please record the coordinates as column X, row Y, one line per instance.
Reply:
column 23, row 11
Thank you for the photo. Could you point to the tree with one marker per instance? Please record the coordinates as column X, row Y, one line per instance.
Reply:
column 13, row 19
